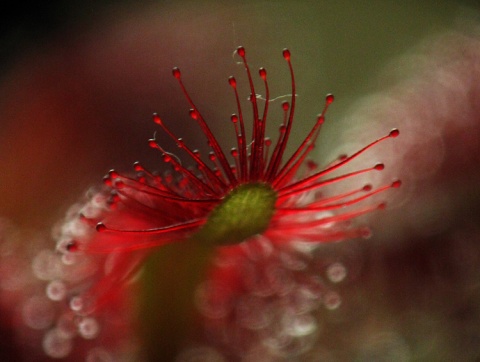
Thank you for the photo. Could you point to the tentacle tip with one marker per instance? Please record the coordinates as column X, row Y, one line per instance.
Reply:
column 193, row 114
column 396, row 183
column 367, row 187
column 329, row 98
column 394, row 133
column 107, row 181
column 263, row 73
column 100, row 227
column 176, row 73
column 138, row 167
column 241, row 51
column 156, row 118
column 232, row 81
column 113, row 174
column 286, row 54
column 379, row 166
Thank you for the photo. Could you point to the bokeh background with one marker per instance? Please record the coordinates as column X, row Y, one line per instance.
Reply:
column 80, row 80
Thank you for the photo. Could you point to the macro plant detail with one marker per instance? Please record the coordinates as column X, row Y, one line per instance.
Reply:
column 209, row 203
column 253, row 192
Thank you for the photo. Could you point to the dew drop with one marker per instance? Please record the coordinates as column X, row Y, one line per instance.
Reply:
column 88, row 328
column 234, row 118
column 55, row 345
column 56, row 290
column 286, row 54
column 232, row 81
column 379, row 166
column 329, row 98
column 285, row 106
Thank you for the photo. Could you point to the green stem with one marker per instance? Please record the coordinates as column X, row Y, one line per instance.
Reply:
column 170, row 278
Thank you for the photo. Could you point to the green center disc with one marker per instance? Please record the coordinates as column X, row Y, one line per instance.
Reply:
column 245, row 212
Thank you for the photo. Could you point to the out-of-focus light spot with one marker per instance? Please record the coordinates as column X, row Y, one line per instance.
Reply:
column 212, row 300
column 384, row 347
column 302, row 325
column 46, row 265
column 56, row 290
column 66, row 325
column 200, row 354
column 88, row 328
column 98, row 355
column 253, row 312
column 38, row 312
column 336, row 272
column 76, row 304
column 55, row 345
column 332, row 300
